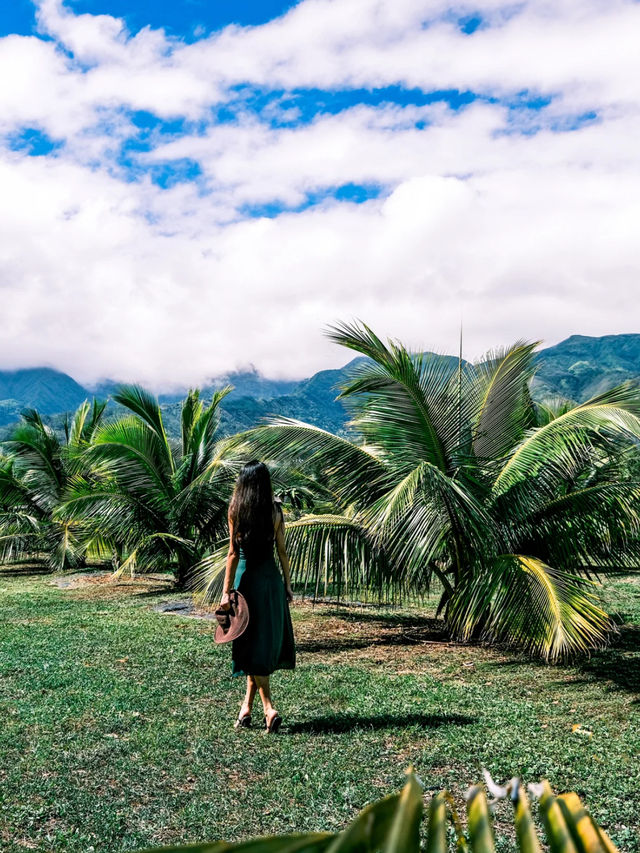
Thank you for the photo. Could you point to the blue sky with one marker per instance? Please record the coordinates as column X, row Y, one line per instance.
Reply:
column 180, row 18
column 177, row 172
column 193, row 20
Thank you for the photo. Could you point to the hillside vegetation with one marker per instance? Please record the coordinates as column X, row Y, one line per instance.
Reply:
column 582, row 367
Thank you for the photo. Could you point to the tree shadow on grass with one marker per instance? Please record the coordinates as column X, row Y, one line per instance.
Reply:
column 391, row 619
column 331, row 644
column 342, row 723
column 160, row 592
column 380, row 632
column 24, row 571
column 618, row 664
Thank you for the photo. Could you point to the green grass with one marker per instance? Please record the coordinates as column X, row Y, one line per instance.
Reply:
column 117, row 721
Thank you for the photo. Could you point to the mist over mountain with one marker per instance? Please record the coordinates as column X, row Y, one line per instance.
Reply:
column 577, row 368
column 246, row 383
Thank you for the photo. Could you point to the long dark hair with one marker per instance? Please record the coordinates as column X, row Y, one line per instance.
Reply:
column 251, row 510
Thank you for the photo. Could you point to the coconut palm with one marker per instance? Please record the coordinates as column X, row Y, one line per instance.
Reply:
column 157, row 501
column 458, row 477
column 35, row 472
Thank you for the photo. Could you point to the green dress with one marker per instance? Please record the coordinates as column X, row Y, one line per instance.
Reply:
column 267, row 643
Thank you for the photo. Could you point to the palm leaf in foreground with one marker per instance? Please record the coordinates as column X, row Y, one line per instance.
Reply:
column 504, row 407
column 611, row 415
column 336, row 555
column 392, row 825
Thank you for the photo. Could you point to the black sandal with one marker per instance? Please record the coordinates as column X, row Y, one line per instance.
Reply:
column 274, row 725
column 243, row 722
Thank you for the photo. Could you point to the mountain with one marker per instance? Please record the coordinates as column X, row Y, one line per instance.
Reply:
column 250, row 383
column 577, row 368
column 581, row 367
column 312, row 400
column 40, row 388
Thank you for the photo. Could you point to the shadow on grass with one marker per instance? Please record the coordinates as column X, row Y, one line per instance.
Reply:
column 161, row 592
column 24, row 571
column 407, row 620
column 341, row 723
column 618, row 663
column 381, row 631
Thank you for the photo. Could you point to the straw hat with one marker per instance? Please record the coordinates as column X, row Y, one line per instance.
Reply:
column 232, row 622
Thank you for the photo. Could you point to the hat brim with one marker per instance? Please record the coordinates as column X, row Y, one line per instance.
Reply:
column 238, row 613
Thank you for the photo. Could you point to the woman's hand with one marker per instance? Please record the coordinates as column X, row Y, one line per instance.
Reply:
column 225, row 604
column 289, row 593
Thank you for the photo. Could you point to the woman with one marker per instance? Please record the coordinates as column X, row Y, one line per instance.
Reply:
column 255, row 522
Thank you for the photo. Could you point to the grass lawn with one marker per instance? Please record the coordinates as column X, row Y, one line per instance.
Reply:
column 117, row 720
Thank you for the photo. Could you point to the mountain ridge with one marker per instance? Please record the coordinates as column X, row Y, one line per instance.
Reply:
column 578, row 367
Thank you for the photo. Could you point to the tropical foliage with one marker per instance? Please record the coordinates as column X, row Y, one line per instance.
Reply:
column 157, row 501
column 392, row 825
column 457, row 476
column 450, row 473
column 35, row 473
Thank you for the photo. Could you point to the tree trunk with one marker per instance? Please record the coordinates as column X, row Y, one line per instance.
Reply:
column 183, row 569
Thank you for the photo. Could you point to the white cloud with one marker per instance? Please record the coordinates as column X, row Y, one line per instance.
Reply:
column 582, row 51
column 528, row 234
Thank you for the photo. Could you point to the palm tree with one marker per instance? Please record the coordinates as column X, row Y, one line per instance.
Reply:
column 157, row 501
column 458, row 476
column 35, row 472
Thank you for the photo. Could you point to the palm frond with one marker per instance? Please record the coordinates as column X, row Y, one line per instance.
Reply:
column 145, row 556
column 202, row 509
column 207, row 575
column 354, row 473
column 77, row 425
column 64, row 550
column 405, row 396
column 337, row 556
column 109, row 511
column 595, row 529
column 551, row 408
column 606, row 417
column 133, row 454
column 98, row 409
column 191, row 411
column 145, row 406
column 21, row 535
column 504, row 407
column 13, row 490
column 199, row 426
column 428, row 522
column 520, row 600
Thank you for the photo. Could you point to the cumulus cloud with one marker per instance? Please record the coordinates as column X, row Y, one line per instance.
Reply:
column 518, row 210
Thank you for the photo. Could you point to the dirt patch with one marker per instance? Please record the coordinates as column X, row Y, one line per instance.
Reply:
column 398, row 642
column 106, row 585
column 73, row 581
column 327, row 632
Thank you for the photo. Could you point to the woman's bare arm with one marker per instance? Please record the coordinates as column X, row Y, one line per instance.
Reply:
column 230, row 569
column 282, row 553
